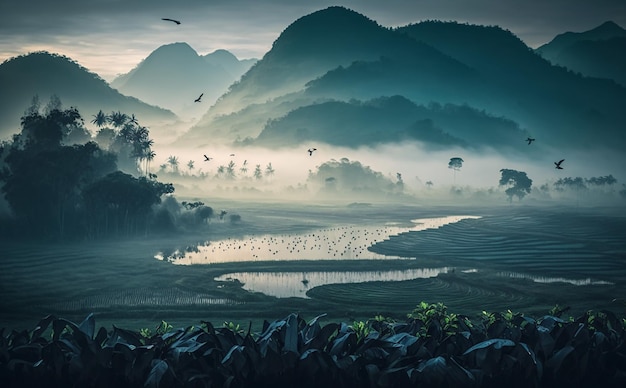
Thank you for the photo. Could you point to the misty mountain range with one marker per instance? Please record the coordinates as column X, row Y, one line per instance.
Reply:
column 600, row 52
column 338, row 77
column 45, row 74
column 174, row 75
column 341, row 55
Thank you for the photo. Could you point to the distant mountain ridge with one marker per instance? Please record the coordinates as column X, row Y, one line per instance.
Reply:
column 600, row 52
column 339, row 55
column 174, row 75
column 45, row 74
column 316, row 44
column 525, row 87
column 390, row 120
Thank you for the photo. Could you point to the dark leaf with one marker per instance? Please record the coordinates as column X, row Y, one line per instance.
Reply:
column 497, row 343
column 291, row 334
column 88, row 326
column 42, row 326
column 343, row 344
column 158, row 371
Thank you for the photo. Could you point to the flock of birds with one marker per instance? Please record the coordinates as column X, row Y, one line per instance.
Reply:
column 340, row 242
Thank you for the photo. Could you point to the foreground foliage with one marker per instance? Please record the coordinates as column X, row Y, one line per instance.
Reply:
column 432, row 348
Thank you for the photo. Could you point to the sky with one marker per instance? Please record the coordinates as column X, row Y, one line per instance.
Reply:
column 110, row 37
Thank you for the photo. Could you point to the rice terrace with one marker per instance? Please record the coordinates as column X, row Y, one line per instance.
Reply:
column 230, row 194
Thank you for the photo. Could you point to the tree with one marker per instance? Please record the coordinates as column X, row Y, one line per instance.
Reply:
column 230, row 170
column 244, row 167
column 269, row 170
column 117, row 119
column 576, row 184
column 47, row 130
column 220, row 170
column 190, row 166
column 517, row 181
column 149, row 157
column 44, row 186
column 173, row 162
column 121, row 204
column 608, row 180
column 258, row 174
column 455, row 164
column 400, row 182
column 204, row 213
column 100, row 119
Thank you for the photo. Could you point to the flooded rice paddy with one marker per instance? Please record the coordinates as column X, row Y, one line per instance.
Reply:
column 352, row 263
column 344, row 242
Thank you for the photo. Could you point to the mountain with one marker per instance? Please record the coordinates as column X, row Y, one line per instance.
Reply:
column 390, row 120
column 563, row 107
column 600, row 52
column 315, row 44
column 174, row 75
column 45, row 74
column 229, row 62
column 339, row 56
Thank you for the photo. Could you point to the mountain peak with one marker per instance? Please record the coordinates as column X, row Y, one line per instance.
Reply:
column 609, row 28
column 333, row 24
column 179, row 50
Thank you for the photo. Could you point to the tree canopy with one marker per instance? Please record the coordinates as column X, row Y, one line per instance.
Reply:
column 60, row 190
column 517, row 181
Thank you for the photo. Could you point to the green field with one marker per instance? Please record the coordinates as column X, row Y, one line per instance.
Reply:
column 521, row 258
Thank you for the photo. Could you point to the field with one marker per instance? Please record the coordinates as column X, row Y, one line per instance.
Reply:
column 523, row 258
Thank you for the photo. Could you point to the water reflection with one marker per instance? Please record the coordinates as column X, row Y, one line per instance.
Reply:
column 337, row 243
column 547, row 279
column 296, row 284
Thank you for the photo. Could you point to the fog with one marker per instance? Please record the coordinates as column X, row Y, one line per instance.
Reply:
column 424, row 172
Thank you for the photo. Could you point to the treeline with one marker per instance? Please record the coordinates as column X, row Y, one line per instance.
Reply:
column 60, row 183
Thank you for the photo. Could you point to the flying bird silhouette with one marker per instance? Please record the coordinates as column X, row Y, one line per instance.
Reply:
column 199, row 98
column 206, row 158
column 171, row 20
column 310, row 151
column 558, row 164
column 530, row 140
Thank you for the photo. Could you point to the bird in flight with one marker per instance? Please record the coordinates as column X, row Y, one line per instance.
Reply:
column 530, row 140
column 311, row 150
column 206, row 158
column 558, row 164
column 199, row 98
column 171, row 20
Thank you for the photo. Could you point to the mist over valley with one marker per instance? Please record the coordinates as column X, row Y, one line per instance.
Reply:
column 350, row 173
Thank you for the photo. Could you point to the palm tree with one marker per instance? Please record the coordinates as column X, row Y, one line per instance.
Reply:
column 258, row 174
column 244, row 167
column 100, row 119
column 230, row 170
column 149, row 157
column 190, row 166
column 173, row 162
column 269, row 170
column 118, row 119
column 133, row 120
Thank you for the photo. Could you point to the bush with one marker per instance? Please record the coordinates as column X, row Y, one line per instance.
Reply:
column 432, row 348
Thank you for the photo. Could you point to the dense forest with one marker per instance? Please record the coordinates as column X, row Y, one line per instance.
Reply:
column 60, row 183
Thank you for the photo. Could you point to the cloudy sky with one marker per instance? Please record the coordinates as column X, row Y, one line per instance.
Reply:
column 110, row 37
